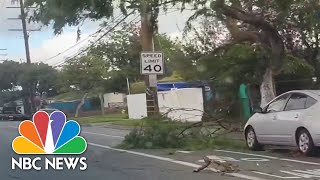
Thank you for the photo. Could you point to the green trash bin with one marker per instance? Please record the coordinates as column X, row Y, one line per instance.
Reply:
column 245, row 102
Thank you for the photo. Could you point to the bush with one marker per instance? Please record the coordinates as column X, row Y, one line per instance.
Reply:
column 155, row 135
column 138, row 87
column 170, row 134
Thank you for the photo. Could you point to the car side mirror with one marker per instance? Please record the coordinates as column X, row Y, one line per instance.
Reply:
column 258, row 110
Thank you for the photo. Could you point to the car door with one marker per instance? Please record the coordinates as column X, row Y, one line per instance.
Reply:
column 287, row 121
column 264, row 127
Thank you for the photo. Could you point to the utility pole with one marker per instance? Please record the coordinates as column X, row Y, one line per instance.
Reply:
column 28, row 99
column 25, row 33
column 24, row 29
column 146, row 34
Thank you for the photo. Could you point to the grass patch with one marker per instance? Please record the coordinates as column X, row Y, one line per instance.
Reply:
column 113, row 119
column 128, row 122
column 102, row 119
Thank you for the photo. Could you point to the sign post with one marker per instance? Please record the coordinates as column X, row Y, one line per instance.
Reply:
column 152, row 64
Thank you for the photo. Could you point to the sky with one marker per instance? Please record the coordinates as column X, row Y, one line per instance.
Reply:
column 47, row 47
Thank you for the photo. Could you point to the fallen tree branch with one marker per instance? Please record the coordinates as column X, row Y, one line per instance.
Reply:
column 197, row 124
column 207, row 161
column 223, row 167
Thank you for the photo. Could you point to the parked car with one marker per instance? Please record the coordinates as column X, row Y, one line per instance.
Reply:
column 291, row 119
column 13, row 116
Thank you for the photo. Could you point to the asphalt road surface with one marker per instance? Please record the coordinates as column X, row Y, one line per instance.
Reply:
column 104, row 162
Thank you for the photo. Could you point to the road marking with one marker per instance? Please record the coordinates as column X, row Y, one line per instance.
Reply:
column 173, row 161
column 272, row 175
column 225, row 159
column 299, row 174
column 298, row 161
column 242, row 153
column 271, row 157
column 295, row 174
column 246, row 176
column 311, row 172
column 254, row 159
column 107, row 135
column 185, row 152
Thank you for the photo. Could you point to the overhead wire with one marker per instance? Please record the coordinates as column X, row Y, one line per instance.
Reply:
column 79, row 42
column 96, row 41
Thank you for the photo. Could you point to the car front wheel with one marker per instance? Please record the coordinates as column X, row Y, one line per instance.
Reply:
column 252, row 141
column 305, row 142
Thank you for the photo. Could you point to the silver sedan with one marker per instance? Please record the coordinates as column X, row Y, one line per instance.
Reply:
column 291, row 119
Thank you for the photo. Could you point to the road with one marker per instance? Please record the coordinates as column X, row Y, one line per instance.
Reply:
column 106, row 162
column 261, row 165
column 103, row 161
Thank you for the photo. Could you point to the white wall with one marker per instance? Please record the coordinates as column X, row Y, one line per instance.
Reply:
column 113, row 98
column 137, row 106
column 190, row 99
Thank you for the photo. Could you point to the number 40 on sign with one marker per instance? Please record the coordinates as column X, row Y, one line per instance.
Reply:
column 152, row 63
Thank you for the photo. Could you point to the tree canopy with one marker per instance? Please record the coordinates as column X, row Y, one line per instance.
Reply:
column 263, row 40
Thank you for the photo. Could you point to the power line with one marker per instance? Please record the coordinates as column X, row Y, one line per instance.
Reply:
column 23, row 30
column 18, row 7
column 87, row 48
column 62, row 62
column 117, row 24
column 48, row 59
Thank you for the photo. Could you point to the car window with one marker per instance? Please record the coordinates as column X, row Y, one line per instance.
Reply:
column 278, row 104
column 310, row 102
column 296, row 101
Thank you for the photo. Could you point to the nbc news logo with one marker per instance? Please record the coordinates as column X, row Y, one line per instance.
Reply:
column 49, row 135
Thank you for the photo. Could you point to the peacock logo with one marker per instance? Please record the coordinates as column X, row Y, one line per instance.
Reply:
column 49, row 135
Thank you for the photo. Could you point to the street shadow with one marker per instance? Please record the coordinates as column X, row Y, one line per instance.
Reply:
column 291, row 152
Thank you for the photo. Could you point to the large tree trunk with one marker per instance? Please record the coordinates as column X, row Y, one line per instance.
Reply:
column 80, row 104
column 101, row 103
column 267, row 87
column 267, row 35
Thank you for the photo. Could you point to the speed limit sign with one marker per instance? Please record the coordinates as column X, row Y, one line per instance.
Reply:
column 152, row 63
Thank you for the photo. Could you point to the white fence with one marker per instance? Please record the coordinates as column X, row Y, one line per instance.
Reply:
column 114, row 100
column 182, row 104
column 179, row 104
column 137, row 106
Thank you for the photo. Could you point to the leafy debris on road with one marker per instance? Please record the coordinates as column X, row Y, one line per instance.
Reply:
column 223, row 167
